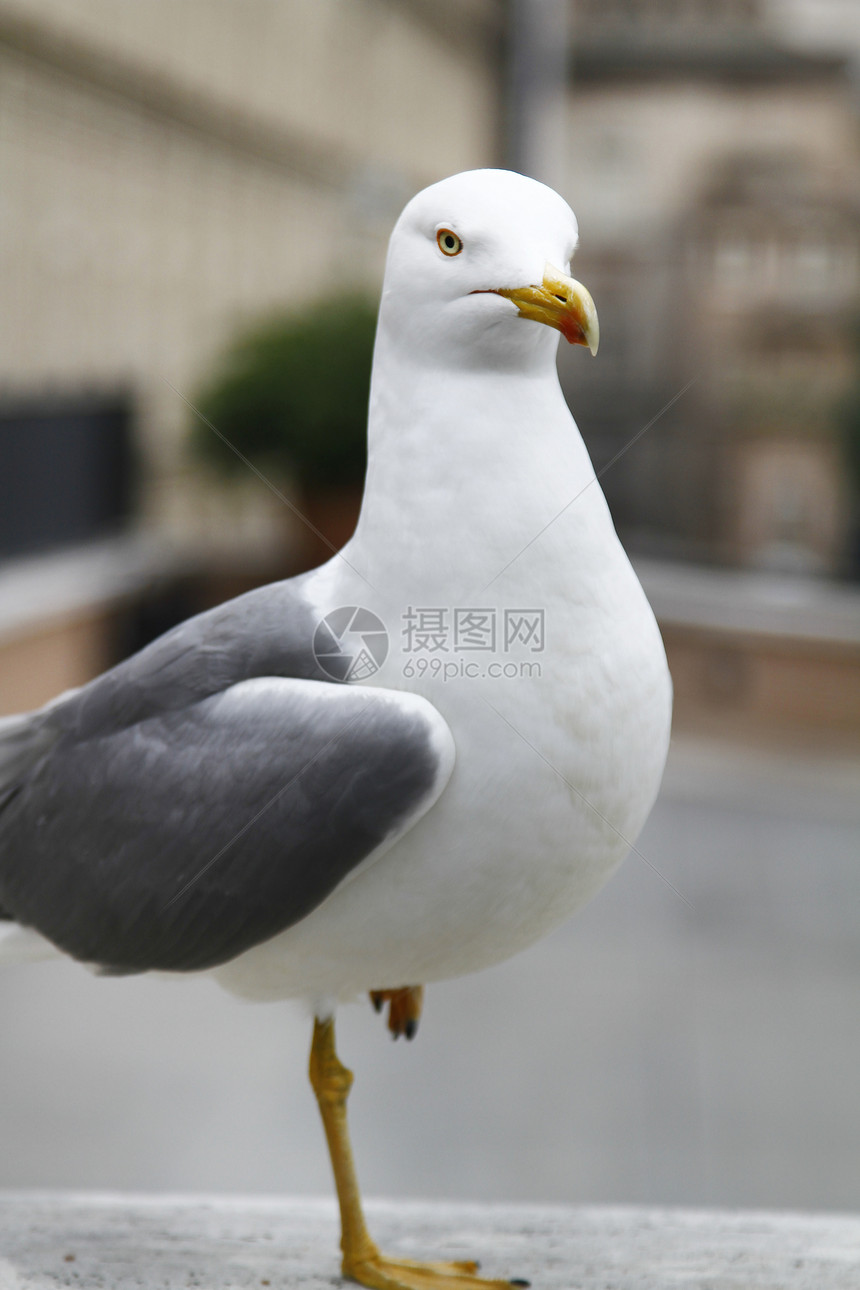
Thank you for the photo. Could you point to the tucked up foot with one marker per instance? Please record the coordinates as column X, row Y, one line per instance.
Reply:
column 381, row 1273
column 404, row 1008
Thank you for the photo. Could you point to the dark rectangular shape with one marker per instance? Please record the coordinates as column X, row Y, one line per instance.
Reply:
column 65, row 473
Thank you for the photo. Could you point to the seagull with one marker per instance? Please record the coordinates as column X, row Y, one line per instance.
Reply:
column 405, row 765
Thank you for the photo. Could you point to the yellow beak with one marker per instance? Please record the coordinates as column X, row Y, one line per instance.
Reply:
column 560, row 302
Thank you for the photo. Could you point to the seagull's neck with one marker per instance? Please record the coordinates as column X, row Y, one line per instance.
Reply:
column 464, row 469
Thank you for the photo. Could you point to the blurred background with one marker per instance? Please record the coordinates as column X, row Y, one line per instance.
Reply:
column 195, row 206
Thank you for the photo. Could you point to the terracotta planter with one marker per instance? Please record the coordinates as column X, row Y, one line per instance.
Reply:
column 333, row 512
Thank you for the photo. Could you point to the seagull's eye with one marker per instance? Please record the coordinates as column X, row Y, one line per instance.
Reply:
column 448, row 242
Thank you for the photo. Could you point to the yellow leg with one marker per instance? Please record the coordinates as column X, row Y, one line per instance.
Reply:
column 362, row 1261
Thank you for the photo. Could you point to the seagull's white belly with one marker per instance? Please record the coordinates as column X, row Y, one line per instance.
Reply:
column 555, row 776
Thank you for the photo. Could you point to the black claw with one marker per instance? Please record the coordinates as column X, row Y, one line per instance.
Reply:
column 518, row 1281
column 377, row 1001
column 411, row 1028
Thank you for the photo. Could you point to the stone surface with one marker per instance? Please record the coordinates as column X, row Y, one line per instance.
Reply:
column 116, row 1242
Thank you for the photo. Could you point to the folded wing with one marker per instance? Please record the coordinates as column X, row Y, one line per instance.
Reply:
column 184, row 838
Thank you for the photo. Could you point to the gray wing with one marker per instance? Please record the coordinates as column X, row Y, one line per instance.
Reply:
column 267, row 632
column 181, row 839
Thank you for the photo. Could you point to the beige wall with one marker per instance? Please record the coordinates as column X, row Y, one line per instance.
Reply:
column 170, row 169
column 393, row 81
column 59, row 655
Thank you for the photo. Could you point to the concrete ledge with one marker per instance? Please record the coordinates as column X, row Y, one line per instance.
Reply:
column 58, row 611
column 751, row 603
column 72, row 582
column 118, row 1242
column 758, row 653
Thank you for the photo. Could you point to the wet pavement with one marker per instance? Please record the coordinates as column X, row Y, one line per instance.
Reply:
column 691, row 1037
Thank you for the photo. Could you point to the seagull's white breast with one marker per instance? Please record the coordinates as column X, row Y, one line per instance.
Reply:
column 555, row 774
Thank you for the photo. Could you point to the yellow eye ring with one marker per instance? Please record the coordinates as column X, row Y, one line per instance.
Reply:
column 448, row 242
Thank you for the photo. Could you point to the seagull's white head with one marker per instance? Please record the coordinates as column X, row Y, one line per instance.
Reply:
column 475, row 263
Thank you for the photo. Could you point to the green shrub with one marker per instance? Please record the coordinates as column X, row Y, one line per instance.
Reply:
column 291, row 394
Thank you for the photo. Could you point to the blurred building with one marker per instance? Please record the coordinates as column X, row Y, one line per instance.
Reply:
column 714, row 169
column 170, row 171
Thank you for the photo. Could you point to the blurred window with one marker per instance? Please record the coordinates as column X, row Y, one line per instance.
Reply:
column 735, row 263
column 65, row 473
column 815, row 263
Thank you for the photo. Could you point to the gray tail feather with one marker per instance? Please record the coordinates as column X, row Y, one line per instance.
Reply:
column 23, row 740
